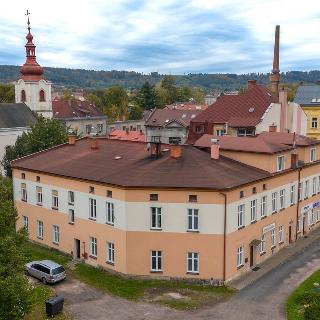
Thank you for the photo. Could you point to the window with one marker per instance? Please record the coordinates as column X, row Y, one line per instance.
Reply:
column 174, row 140
column 23, row 192
column 281, row 234
column 193, row 198
column 318, row 184
column 292, row 194
column 156, row 260
column 88, row 128
column 109, row 193
column 55, row 199
column 241, row 194
column 220, row 132
column 25, row 222
column 23, row 96
column 263, row 245
column 254, row 190
column 71, row 216
column 313, row 156
column 314, row 123
column 199, row 129
column 91, row 189
column 93, row 247
column 39, row 195
column 156, row 218
column 193, row 262
column 280, row 163
column 40, row 229
column 299, row 224
column 38, row 178
column 110, row 213
column 71, row 198
column 253, row 211
column 306, row 190
column 314, row 186
column 42, row 97
column 110, row 252
column 274, row 201
column 264, row 186
column 92, row 209
column 99, row 127
column 23, row 175
column 310, row 217
column 264, row 206
column 193, row 219
column 245, row 132
column 153, row 197
column 273, row 238
column 240, row 257
column 241, row 209
column 56, row 234
column 282, row 198
column 300, row 191
column 318, row 215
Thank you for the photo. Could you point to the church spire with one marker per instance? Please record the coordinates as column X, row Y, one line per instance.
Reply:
column 31, row 70
column 275, row 73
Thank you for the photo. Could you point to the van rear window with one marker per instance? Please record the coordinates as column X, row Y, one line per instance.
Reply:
column 58, row 270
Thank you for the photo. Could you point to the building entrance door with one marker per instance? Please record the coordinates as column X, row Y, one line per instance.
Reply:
column 77, row 248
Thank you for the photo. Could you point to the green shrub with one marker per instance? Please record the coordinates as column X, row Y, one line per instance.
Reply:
column 309, row 297
column 312, row 312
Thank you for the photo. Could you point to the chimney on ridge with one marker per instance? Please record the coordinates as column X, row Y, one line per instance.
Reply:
column 94, row 143
column 275, row 72
column 72, row 139
column 215, row 149
column 175, row 151
column 251, row 83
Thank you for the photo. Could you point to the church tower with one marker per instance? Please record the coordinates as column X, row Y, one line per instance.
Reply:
column 32, row 88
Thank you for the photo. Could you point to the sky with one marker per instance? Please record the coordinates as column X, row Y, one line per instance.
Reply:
column 165, row 36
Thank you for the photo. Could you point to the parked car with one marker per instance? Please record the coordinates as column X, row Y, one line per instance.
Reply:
column 46, row 270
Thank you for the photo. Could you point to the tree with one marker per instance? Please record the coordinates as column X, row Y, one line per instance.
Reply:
column 116, row 97
column 44, row 134
column 68, row 95
column 146, row 97
column 6, row 93
column 135, row 113
column 15, row 292
column 168, row 84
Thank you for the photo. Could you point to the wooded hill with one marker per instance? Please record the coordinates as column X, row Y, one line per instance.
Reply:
column 90, row 79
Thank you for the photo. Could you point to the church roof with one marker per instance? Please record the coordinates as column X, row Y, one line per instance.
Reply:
column 15, row 115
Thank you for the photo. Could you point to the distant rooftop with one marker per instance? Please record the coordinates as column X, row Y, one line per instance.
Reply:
column 308, row 95
column 127, row 135
column 15, row 115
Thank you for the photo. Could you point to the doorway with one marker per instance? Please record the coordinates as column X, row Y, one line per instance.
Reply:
column 77, row 253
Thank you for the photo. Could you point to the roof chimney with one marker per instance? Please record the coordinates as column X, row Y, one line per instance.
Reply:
column 251, row 83
column 175, row 151
column 215, row 149
column 72, row 140
column 273, row 128
column 275, row 72
column 94, row 143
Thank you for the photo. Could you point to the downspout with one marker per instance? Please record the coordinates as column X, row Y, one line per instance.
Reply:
column 224, row 236
column 298, row 202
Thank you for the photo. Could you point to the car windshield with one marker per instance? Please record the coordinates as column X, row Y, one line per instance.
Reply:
column 58, row 270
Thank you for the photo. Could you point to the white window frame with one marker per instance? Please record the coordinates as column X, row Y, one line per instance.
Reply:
column 263, row 244
column 306, row 189
column 25, row 222
column 39, row 195
column 55, row 199
column 292, row 194
column 110, row 213
column 55, row 234
column 299, row 224
column 193, row 219
column 318, row 184
column 40, row 229
column 310, row 217
column 241, row 215
column 24, row 193
column 92, row 209
column 240, row 256
column 314, row 185
column 71, row 216
column 156, row 257
column 110, row 252
column 264, row 207
column 93, row 247
column 281, row 234
column 71, row 198
column 274, row 204
column 156, row 218
column 313, row 154
column 282, row 198
column 253, row 210
column 193, row 262
column 318, row 215
column 300, row 191
column 280, row 163
column 314, row 123
column 273, row 238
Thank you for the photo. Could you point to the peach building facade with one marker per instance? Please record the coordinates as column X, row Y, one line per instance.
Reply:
column 166, row 227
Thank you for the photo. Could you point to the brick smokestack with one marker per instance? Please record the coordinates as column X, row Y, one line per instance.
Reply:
column 215, row 149
column 275, row 73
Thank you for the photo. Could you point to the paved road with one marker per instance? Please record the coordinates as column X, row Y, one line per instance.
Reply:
column 262, row 300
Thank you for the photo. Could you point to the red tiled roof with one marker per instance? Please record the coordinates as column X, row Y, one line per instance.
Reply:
column 137, row 169
column 287, row 138
column 240, row 110
column 186, row 106
column 74, row 109
column 127, row 135
column 161, row 117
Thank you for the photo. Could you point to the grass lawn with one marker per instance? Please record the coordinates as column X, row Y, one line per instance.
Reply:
column 190, row 296
column 294, row 308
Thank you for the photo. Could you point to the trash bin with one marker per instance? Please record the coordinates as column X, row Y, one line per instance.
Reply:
column 54, row 305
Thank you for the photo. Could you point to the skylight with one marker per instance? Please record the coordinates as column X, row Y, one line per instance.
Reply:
column 251, row 109
column 193, row 116
column 184, row 115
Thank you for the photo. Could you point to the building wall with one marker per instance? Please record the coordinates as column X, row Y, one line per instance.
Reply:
column 80, row 125
column 32, row 90
column 312, row 112
column 131, row 125
column 166, row 132
column 270, row 117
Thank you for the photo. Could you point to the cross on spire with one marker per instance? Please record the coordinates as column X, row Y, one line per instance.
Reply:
column 27, row 14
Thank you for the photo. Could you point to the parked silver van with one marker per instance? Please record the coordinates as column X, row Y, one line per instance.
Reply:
column 46, row 270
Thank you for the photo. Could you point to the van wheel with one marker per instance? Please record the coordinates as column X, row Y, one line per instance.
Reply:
column 44, row 281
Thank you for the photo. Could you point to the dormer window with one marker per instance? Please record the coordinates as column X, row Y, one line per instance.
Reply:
column 280, row 163
column 42, row 97
column 23, row 96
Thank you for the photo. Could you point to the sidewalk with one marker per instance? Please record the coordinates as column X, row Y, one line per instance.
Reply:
column 279, row 258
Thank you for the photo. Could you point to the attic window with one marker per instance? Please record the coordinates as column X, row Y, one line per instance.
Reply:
column 251, row 109
column 23, row 175
column 91, row 189
column 109, row 193
column 241, row 194
column 167, row 121
column 153, row 197
column 117, row 157
column 38, row 178
column 193, row 116
column 193, row 198
column 314, row 100
column 184, row 115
